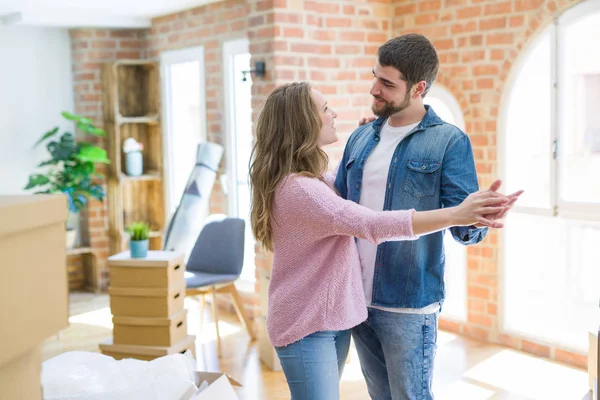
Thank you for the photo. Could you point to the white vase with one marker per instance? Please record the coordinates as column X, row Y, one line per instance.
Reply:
column 71, row 237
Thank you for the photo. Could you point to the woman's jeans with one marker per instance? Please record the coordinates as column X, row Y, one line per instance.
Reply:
column 314, row 364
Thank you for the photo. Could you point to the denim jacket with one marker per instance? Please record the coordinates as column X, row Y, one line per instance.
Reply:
column 433, row 167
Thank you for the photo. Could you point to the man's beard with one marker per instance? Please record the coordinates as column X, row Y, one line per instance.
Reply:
column 389, row 108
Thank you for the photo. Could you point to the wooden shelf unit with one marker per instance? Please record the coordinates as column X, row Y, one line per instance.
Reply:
column 131, row 109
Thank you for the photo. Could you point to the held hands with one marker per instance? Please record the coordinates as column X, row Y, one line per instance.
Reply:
column 484, row 208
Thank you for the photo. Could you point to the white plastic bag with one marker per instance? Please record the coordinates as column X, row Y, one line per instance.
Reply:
column 81, row 375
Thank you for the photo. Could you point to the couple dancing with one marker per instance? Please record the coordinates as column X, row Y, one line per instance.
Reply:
column 360, row 253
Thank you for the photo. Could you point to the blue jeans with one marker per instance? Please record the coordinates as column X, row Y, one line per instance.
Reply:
column 396, row 353
column 314, row 364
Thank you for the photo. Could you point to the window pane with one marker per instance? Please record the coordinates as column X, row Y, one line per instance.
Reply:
column 551, row 272
column 186, row 124
column 455, row 273
column 579, row 151
column 241, row 147
column 527, row 155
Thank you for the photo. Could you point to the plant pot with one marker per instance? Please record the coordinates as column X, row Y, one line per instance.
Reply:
column 139, row 248
column 71, row 238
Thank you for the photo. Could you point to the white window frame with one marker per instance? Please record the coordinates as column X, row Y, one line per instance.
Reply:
column 570, row 209
column 168, row 58
column 440, row 92
column 230, row 49
column 584, row 214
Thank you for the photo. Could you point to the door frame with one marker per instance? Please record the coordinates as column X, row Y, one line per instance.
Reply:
column 230, row 49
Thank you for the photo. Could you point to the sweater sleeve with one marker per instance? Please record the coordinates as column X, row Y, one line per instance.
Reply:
column 315, row 204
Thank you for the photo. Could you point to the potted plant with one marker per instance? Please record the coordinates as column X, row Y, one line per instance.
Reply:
column 70, row 169
column 139, row 233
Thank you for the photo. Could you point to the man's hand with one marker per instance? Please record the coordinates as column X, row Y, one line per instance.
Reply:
column 513, row 198
column 366, row 120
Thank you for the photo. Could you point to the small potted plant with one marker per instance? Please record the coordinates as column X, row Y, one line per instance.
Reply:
column 139, row 233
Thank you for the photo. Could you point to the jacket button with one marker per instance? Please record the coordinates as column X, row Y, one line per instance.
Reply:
column 357, row 185
column 424, row 166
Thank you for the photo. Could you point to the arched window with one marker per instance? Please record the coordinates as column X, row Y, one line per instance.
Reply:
column 447, row 108
column 550, row 127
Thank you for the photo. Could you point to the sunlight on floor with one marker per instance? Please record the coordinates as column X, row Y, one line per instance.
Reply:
column 209, row 333
column 444, row 338
column 352, row 371
column 528, row 376
column 463, row 390
column 101, row 317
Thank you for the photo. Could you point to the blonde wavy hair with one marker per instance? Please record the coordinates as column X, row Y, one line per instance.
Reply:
column 286, row 142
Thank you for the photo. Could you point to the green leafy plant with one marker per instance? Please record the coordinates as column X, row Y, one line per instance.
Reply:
column 71, row 169
column 138, row 231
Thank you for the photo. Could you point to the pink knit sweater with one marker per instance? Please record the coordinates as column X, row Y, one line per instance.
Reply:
column 316, row 281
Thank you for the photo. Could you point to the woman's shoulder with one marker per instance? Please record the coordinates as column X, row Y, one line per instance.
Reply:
column 300, row 185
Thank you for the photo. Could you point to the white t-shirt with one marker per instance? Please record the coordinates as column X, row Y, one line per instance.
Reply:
column 372, row 195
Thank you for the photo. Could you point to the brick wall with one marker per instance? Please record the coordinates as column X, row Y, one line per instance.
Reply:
column 478, row 42
column 90, row 49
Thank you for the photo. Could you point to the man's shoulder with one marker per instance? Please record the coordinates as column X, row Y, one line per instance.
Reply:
column 446, row 130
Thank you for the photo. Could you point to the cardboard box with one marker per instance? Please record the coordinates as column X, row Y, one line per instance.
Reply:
column 21, row 377
column 263, row 287
column 266, row 351
column 160, row 269
column 147, row 302
column 150, row 331
column 33, row 273
column 593, row 362
column 220, row 386
column 120, row 351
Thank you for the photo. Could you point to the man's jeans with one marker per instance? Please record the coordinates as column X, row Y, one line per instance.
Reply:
column 314, row 364
column 396, row 353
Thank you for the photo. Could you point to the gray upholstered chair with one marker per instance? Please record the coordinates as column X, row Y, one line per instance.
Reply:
column 215, row 262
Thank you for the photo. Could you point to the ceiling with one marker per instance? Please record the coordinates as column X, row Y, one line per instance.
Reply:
column 90, row 13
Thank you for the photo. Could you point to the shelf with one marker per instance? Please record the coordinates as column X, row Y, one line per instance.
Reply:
column 149, row 176
column 131, row 109
column 79, row 250
column 147, row 119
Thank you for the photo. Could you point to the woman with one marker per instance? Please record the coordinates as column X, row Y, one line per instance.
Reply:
column 315, row 293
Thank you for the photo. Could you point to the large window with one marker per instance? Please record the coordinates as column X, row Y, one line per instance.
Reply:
column 455, row 275
column 551, row 133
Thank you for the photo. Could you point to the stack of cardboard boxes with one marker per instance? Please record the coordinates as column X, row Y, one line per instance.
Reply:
column 146, row 301
column 33, row 288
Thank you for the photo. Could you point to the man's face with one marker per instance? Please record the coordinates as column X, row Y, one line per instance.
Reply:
column 390, row 91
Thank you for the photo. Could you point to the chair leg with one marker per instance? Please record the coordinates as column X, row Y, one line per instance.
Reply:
column 216, row 318
column 241, row 312
column 202, row 308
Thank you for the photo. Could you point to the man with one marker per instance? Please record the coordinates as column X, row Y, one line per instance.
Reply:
column 407, row 158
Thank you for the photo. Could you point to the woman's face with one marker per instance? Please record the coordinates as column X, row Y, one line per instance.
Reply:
column 328, row 134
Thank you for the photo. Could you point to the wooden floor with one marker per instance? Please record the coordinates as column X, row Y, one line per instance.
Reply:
column 465, row 369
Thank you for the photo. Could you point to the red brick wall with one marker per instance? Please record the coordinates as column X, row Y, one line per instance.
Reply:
column 90, row 49
column 478, row 42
